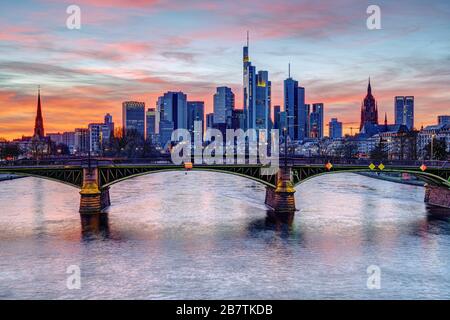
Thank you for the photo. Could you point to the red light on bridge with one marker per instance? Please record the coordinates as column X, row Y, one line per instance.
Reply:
column 328, row 166
column 188, row 165
column 423, row 167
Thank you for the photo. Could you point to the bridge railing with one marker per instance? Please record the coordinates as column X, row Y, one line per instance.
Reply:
column 98, row 161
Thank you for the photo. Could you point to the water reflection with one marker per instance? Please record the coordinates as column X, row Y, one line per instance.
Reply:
column 279, row 222
column 95, row 226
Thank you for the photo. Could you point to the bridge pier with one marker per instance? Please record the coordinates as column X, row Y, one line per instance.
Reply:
column 281, row 199
column 93, row 199
column 437, row 196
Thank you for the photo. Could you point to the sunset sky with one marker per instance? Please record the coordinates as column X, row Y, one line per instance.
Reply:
column 137, row 50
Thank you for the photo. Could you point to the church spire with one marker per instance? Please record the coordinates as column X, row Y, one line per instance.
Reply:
column 39, row 122
column 369, row 88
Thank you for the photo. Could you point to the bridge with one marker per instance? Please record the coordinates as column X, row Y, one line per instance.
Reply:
column 94, row 178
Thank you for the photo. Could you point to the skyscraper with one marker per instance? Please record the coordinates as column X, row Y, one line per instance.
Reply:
column 404, row 111
column 249, row 94
column 210, row 120
column 263, row 101
column 223, row 106
column 196, row 112
column 276, row 117
column 316, row 121
column 296, row 110
column 150, row 118
column 335, row 128
column 369, row 109
column 39, row 121
column 133, row 117
column 172, row 114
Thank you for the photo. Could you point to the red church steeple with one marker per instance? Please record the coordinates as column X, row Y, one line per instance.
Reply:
column 39, row 122
column 369, row 109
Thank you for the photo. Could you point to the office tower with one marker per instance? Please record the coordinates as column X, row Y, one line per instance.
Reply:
column 283, row 123
column 196, row 112
column 295, row 108
column 263, row 101
column 404, row 111
column 210, row 120
column 109, row 122
column 316, row 121
column 249, row 94
column 238, row 119
column 165, row 132
column 335, row 128
column 443, row 119
column 369, row 109
column 223, row 106
column 276, row 117
column 68, row 138
column 81, row 141
column 172, row 113
column 133, row 117
column 173, row 107
column 150, row 121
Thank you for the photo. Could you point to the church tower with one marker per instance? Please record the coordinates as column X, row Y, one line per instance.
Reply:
column 369, row 109
column 39, row 122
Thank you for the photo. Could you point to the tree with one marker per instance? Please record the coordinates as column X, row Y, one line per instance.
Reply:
column 379, row 152
column 439, row 150
column 10, row 151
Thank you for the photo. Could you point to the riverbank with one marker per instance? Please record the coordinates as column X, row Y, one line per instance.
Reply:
column 6, row 177
column 394, row 177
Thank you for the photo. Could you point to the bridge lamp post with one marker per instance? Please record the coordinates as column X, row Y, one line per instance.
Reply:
column 433, row 136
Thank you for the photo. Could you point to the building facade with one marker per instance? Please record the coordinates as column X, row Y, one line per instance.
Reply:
column 404, row 111
column 133, row 117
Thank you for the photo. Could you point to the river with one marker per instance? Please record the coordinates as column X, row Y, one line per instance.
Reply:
column 207, row 235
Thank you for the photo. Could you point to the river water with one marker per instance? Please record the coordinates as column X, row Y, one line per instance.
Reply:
column 208, row 236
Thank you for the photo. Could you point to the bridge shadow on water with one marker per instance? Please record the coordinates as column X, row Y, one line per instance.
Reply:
column 95, row 227
column 281, row 223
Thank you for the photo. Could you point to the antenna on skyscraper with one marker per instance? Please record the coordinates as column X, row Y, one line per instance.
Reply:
column 248, row 38
column 289, row 70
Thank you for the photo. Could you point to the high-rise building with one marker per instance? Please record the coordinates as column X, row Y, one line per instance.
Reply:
column 81, row 141
column 238, row 119
column 109, row 122
column 68, row 138
column 276, row 117
column 172, row 106
column 404, row 111
column 196, row 112
column 133, row 117
column 369, row 109
column 223, row 106
column 210, row 120
column 263, row 101
column 444, row 119
column 335, row 128
column 316, row 121
column 249, row 94
column 296, row 110
column 55, row 137
column 150, row 118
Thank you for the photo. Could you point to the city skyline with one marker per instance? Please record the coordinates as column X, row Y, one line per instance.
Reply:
column 81, row 84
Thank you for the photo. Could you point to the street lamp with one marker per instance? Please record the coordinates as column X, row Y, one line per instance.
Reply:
column 432, row 145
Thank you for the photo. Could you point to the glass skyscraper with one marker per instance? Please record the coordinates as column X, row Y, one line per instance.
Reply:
column 133, row 117
column 335, row 128
column 316, row 121
column 223, row 106
column 296, row 110
column 196, row 112
column 404, row 111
